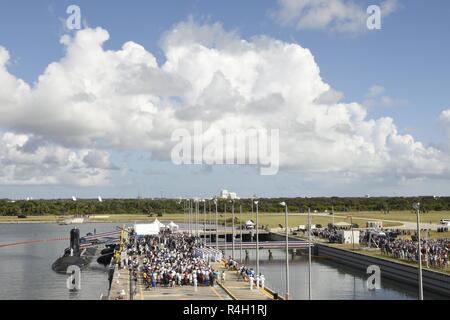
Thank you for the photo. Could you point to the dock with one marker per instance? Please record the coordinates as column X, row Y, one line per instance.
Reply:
column 124, row 287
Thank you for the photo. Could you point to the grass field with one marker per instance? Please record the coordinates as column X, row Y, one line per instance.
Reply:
column 432, row 216
column 270, row 219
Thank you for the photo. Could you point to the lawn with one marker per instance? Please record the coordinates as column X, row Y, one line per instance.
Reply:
column 432, row 216
column 271, row 219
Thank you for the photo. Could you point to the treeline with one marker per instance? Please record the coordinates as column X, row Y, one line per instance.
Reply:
column 161, row 206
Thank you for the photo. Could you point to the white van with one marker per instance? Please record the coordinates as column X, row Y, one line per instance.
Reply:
column 445, row 222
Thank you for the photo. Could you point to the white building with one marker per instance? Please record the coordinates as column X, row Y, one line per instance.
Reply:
column 225, row 194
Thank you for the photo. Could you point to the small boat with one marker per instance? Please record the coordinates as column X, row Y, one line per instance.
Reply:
column 67, row 222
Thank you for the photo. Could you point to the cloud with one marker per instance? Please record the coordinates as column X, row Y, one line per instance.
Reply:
column 46, row 164
column 444, row 121
column 445, row 116
column 377, row 97
column 94, row 101
column 335, row 15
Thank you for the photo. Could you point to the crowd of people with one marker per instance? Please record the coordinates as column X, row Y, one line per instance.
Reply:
column 331, row 234
column 168, row 260
column 435, row 252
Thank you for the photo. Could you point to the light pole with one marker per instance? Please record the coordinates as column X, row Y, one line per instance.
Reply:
column 416, row 206
column 197, row 208
column 225, row 226
column 309, row 254
column 233, row 231
column 257, row 238
column 217, row 226
column 286, row 222
column 253, row 199
column 204, row 222
column 240, row 220
column 190, row 216
column 184, row 213
column 210, row 223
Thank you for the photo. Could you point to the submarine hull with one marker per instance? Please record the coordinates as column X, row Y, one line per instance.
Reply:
column 61, row 264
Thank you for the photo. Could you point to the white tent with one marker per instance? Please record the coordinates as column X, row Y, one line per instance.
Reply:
column 172, row 226
column 146, row 229
column 159, row 224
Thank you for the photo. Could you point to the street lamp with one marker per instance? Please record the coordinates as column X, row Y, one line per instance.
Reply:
column 217, row 226
column 225, row 226
column 286, row 222
column 233, row 233
column 189, row 216
column 416, row 207
column 204, row 222
column 257, row 237
column 309, row 255
column 197, row 206
column 240, row 221
column 210, row 223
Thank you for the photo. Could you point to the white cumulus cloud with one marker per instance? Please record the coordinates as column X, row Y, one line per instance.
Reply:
column 93, row 101
column 335, row 15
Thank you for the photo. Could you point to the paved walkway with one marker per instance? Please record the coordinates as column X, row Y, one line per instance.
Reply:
column 233, row 288
column 237, row 288
column 120, row 287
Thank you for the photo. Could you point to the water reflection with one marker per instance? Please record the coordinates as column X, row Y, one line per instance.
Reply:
column 331, row 281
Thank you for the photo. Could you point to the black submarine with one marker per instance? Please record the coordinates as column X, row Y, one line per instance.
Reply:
column 82, row 252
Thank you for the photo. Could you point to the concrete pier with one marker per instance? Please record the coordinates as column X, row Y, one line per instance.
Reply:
column 121, row 285
column 124, row 287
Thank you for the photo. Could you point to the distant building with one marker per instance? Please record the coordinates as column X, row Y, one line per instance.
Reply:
column 225, row 194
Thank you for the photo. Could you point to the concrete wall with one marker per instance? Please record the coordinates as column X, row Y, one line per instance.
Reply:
column 436, row 282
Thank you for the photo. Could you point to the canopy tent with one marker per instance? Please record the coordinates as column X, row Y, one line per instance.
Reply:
column 159, row 224
column 172, row 226
column 342, row 225
column 146, row 229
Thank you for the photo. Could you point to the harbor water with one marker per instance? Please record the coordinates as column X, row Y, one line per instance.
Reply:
column 26, row 273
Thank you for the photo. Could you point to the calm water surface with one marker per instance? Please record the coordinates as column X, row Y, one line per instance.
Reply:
column 25, row 270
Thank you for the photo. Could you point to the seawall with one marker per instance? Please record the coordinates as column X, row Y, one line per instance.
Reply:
column 433, row 281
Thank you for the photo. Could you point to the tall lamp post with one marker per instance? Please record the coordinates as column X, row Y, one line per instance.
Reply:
column 204, row 222
column 217, row 226
column 197, row 209
column 225, row 226
column 309, row 255
column 233, row 233
column 416, row 207
column 240, row 220
column 286, row 222
column 257, row 238
column 190, row 216
column 184, row 213
column 210, row 223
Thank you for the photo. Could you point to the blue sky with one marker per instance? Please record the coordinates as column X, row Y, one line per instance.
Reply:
column 408, row 58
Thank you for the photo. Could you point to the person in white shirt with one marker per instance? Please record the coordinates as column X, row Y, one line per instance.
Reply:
column 251, row 280
column 263, row 280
